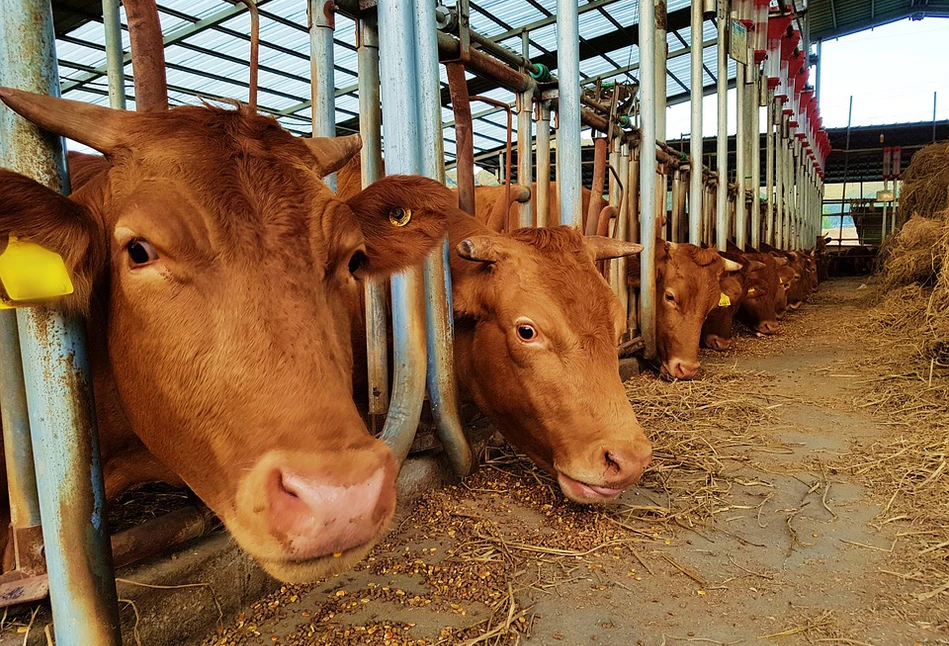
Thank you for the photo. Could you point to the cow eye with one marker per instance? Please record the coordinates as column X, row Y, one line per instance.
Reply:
column 357, row 261
column 670, row 297
column 526, row 331
column 141, row 253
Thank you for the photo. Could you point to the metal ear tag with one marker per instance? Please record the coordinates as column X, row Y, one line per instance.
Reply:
column 400, row 217
column 724, row 301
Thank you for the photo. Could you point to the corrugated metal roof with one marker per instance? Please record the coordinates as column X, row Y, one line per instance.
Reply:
column 833, row 18
column 209, row 59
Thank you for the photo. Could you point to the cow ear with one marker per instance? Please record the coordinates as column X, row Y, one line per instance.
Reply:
column 402, row 219
column 781, row 261
column 486, row 249
column 34, row 213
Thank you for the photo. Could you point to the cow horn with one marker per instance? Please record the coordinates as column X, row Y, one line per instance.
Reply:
column 480, row 249
column 332, row 153
column 731, row 265
column 604, row 248
column 95, row 126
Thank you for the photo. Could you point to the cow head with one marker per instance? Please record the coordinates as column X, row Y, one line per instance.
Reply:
column 536, row 334
column 765, row 294
column 717, row 329
column 687, row 289
column 214, row 265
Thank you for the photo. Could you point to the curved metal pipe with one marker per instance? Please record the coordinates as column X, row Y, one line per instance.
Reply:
column 254, row 51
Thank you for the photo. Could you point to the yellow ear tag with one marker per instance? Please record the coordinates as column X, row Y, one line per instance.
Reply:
column 751, row 290
column 31, row 273
column 399, row 217
column 724, row 301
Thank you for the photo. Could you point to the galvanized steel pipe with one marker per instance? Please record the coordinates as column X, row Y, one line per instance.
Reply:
column 442, row 389
column 695, row 138
column 741, row 160
column 525, row 170
column 769, row 171
column 661, row 21
column 370, row 127
column 543, row 164
column 58, row 383
column 568, row 132
column 647, row 177
column 754, row 141
column 114, row 55
column 322, row 19
column 721, row 142
column 399, row 74
column 621, row 232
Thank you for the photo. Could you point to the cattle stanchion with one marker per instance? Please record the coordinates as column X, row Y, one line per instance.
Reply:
column 543, row 163
column 56, row 370
column 695, row 137
column 322, row 19
column 568, row 114
column 113, row 53
column 370, row 127
column 741, row 158
column 721, row 142
column 525, row 109
column 648, row 178
column 770, row 209
column 442, row 389
column 621, row 232
column 255, row 52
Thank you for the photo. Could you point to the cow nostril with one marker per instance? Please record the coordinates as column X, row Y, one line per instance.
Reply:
column 611, row 462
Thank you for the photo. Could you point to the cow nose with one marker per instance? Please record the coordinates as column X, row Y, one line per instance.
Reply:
column 315, row 515
column 716, row 342
column 681, row 369
column 625, row 467
column 768, row 327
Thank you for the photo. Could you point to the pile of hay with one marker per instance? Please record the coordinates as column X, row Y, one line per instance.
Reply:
column 915, row 253
column 925, row 189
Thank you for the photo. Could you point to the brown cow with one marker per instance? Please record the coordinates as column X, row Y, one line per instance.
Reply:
column 687, row 289
column 536, row 329
column 212, row 266
column 717, row 329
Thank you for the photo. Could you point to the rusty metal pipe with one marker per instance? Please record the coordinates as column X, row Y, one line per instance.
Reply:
column 159, row 534
column 322, row 23
column 254, row 51
column 508, row 145
column 148, row 55
column 449, row 49
column 596, row 189
column 56, row 374
column 525, row 212
column 464, row 140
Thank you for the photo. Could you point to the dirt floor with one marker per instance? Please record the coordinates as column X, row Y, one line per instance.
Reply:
column 793, row 499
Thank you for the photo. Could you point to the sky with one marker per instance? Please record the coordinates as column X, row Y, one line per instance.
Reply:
column 891, row 72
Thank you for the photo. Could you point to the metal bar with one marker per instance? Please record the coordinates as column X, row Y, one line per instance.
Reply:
column 449, row 48
column 568, row 135
column 56, row 371
column 525, row 212
column 21, row 475
column 442, row 389
column 370, row 127
column 754, row 152
column 322, row 21
column 596, row 189
column 254, row 52
column 695, row 141
column 619, row 265
column 549, row 20
column 721, row 148
column 399, row 74
column 543, row 163
column 158, row 534
column 741, row 161
column 113, row 52
column 769, row 172
column 464, row 139
column 647, row 177
column 779, row 176
column 632, row 212
column 661, row 72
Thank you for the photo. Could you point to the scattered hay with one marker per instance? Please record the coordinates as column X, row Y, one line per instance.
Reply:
column 925, row 189
column 915, row 253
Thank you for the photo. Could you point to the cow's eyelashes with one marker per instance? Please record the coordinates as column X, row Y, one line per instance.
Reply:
column 140, row 253
column 670, row 298
column 526, row 331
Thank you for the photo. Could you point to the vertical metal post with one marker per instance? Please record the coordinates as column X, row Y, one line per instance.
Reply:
column 56, row 371
column 21, row 475
column 721, row 147
column 543, row 164
column 754, row 140
column 660, row 63
column 399, row 74
column 778, row 174
column 568, row 127
column 525, row 171
column 619, row 265
column 633, row 217
column 322, row 17
column 741, row 160
column 883, row 231
column 696, row 142
column 442, row 389
column 677, row 233
column 114, row 55
column 647, row 176
column 769, row 172
column 370, row 127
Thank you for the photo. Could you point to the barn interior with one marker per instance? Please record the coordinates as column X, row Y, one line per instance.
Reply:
column 798, row 489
